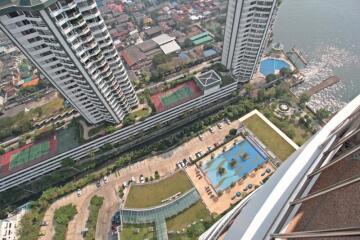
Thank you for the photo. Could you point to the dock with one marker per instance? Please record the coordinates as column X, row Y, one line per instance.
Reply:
column 300, row 55
column 324, row 84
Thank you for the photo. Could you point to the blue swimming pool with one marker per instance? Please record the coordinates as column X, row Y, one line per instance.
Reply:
column 232, row 174
column 271, row 65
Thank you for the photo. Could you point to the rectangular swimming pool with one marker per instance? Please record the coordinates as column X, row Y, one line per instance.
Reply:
column 253, row 158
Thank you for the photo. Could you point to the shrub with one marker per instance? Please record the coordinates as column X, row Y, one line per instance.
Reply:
column 62, row 217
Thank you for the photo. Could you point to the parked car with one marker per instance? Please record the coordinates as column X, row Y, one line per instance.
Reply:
column 201, row 137
column 141, row 179
column 219, row 125
column 105, row 179
column 209, row 148
column 78, row 192
column 125, row 184
column 227, row 121
column 211, row 130
column 98, row 184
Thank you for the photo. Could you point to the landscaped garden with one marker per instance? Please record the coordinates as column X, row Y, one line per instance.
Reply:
column 277, row 144
column 149, row 195
column 193, row 214
column 138, row 232
column 62, row 217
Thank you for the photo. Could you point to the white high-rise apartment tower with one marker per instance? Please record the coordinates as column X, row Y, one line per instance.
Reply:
column 247, row 32
column 67, row 40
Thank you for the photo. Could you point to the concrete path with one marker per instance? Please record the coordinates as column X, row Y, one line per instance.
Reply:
column 164, row 163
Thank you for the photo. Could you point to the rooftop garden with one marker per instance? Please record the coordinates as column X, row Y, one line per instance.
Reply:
column 157, row 191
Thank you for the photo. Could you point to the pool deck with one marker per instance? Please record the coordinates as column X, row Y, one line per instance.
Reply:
column 218, row 204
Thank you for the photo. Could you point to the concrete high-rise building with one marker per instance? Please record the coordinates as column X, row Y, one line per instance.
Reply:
column 68, row 41
column 247, row 32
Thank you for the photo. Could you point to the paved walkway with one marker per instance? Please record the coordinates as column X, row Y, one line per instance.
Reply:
column 164, row 163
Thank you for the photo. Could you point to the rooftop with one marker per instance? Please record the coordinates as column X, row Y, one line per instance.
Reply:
column 132, row 55
column 152, row 30
column 209, row 78
column 170, row 47
column 162, row 39
column 147, row 45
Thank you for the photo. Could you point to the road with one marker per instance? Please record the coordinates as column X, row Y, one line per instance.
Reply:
column 163, row 163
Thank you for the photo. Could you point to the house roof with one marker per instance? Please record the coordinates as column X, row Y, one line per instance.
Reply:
column 170, row 47
column 147, row 45
column 132, row 55
column 152, row 30
column 162, row 39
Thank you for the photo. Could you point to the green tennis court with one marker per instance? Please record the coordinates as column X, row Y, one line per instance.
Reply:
column 29, row 154
column 176, row 96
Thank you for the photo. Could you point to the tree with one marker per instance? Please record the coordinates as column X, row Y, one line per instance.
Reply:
column 195, row 230
column 232, row 132
column 304, row 98
column 157, row 175
column 2, row 150
column 188, row 43
column 233, row 163
column 271, row 77
column 160, row 58
column 66, row 162
column 285, row 71
column 322, row 113
column 219, row 67
column 128, row 120
column 245, row 156
column 248, row 88
column 221, row 171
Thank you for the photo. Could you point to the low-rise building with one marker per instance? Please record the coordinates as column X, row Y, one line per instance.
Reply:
column 208, row 82
column 201, row 38
column 152, row 32
column 167, row 44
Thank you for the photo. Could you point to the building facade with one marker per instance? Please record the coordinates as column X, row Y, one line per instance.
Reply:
column 247, row 33
column 68, row 41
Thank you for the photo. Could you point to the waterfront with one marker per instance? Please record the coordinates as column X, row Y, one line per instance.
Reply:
column 326, row 31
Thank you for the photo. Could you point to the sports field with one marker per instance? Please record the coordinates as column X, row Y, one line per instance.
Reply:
column 29, row 154
column 175, row 96
column 62, row 141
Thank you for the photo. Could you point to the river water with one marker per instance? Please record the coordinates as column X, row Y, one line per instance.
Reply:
column 328, row 34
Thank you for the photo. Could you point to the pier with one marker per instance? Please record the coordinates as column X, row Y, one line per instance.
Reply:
column 324, row 84
column 300, row 55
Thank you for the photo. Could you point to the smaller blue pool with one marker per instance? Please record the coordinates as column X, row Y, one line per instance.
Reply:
column 244, row 149
column 272, row 65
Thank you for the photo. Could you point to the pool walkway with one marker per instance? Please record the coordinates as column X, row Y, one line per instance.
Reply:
column 218, row 204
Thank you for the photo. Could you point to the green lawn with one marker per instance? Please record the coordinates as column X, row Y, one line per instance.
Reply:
column 138, row 232
column 149, row 195
column 269, row 137
column 142, row 113
column 194, row 213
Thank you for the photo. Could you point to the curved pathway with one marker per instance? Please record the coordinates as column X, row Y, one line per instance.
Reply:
column 163, row 163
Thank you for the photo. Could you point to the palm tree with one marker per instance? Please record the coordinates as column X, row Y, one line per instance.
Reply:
column 233, row 163
column 224, row 148
column 221, row 171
